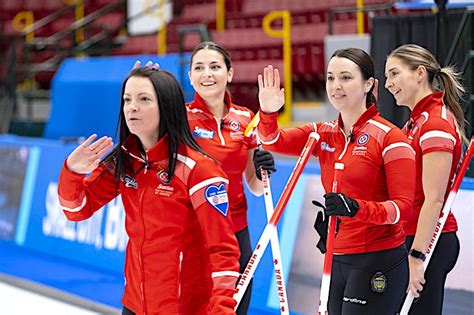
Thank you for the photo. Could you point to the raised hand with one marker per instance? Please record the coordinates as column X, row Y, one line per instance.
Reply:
column 86, row 157
column 270, row 96
column 149, row 64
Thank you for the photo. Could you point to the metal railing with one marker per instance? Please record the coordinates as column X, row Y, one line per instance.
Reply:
column 342, row 10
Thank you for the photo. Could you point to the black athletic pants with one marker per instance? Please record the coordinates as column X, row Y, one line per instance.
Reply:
column 441, row 263
column 243, row 237
column 126, row 311
column 369, row 283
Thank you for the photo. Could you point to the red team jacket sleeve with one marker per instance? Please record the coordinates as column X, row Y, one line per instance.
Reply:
column 290, row 141
column 208, row 191
column 434, row 136
column 80, row 197
column 399, row 163
column 251, row 140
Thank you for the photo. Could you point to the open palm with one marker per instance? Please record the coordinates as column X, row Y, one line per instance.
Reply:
column 86, row 157
column 270, row 96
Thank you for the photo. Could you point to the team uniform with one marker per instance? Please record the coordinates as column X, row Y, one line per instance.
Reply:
column 432, row 128
column 224, row 140
column 182, row 255
column 369, row 248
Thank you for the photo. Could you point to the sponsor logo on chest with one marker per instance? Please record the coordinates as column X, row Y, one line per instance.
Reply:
column 203, row 133
column 360, row 148
column 326, row 147
column 163, row 189
column 235, row 133
column 129, row 181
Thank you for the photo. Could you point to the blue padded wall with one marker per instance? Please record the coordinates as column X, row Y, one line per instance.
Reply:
column 86, row 92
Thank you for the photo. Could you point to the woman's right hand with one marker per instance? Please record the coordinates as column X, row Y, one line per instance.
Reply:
column 270, row 96
column 86, row 157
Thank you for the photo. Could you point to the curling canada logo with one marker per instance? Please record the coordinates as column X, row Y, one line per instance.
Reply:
column 164, row 177
column 360, row 148
column 363, row 139
column 164, row 190
column 234, row 125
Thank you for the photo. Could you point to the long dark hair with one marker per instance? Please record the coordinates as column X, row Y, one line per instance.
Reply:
column 445, row 79
column 173, row 120
column 365, row 64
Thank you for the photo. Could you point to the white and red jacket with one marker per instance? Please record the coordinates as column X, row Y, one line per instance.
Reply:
column 431, row 128
column 224, row 140
column 182, row 255
column 378, row 174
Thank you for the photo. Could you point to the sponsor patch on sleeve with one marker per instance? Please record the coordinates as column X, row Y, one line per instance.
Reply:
column 216, row 196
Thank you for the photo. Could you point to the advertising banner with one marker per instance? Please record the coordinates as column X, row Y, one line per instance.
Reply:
column 12, row 176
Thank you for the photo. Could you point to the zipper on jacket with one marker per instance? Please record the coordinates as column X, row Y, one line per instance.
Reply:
column 142, row 289
column 142, row 293
column 179, row 273
column 346, row 139
column 219, row 132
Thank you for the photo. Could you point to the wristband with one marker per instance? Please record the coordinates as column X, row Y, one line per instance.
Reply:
column 417, row 254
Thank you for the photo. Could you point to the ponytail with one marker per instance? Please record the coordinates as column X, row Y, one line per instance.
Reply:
column 449, row 81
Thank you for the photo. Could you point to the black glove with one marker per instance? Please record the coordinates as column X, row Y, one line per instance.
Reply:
column 340, row 204
column 321, row 227
column 263, row 159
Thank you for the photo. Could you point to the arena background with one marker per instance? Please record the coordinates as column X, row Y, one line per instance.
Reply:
column 60, row 77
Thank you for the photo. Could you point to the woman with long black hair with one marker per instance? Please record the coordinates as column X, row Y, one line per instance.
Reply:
column 182, row 255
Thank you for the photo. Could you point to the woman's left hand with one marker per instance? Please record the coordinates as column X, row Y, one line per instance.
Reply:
column 270, row 96
column 417, row 276
column 149, row 65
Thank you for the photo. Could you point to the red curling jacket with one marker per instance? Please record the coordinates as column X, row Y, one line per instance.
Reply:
column 182, row 255
column 431, row 128
column 379, row 167
column 225, row 141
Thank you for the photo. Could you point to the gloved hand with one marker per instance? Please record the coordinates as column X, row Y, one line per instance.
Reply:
column 340, row 204
column 263, row 159
column 321, row 227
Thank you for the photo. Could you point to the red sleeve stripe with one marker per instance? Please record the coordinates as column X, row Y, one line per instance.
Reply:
column 193, row 110
column 240, row 112
column 198, row 199
column 225, row 273
column 441, row 137
column 443, row 113
column 437, row 144
column 270, row 139
column 380, row 125
column 187, row 161
column 207, row 182
column 69, row 205
column 224, row 282
column 393, row 212
column 398, row 150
